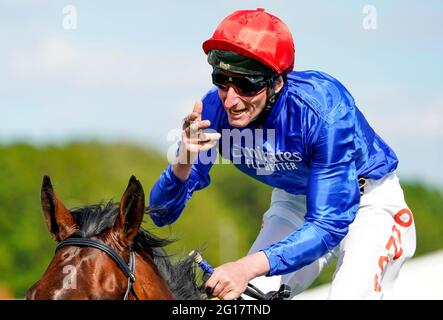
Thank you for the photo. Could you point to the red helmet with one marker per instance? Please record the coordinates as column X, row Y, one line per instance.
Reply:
column 257, row 35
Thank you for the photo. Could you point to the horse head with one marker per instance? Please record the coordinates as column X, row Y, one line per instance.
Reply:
column 103, row 253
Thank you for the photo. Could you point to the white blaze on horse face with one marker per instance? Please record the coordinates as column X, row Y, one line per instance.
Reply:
column 69, row 255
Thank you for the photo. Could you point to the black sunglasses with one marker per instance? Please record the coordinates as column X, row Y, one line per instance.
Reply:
column 244, row 85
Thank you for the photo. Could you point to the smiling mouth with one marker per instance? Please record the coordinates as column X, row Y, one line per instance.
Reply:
column 237, row 112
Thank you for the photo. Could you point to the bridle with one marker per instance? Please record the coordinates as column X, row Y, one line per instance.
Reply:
column 127, row 269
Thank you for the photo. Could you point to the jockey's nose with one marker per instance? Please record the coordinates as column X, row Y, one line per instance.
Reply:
column 232, row 98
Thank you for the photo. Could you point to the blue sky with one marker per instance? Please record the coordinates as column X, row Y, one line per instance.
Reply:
column 132, row 70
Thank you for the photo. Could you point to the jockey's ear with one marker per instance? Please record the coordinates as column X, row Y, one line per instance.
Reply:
column 278, row 85
column 59, row 220
column 131, row 211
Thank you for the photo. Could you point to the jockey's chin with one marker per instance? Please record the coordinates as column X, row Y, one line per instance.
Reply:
column 241, row 110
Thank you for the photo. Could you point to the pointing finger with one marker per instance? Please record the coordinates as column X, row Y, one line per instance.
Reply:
column 198, row 108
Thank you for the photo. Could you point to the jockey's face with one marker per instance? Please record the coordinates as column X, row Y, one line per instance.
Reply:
column 241, row 109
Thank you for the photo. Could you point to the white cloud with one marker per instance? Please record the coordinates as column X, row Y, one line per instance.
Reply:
column 431, row 120
column 426, row 121
column 396, row 111
column 95, row 66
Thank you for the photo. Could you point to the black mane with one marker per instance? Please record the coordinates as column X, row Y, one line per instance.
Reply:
column 180, row 275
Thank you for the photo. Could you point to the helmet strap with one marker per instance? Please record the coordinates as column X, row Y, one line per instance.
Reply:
column 270, row 100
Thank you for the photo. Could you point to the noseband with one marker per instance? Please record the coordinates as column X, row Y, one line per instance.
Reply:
column 127, row 269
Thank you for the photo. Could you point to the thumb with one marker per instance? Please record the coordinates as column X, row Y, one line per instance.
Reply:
column 198, row 108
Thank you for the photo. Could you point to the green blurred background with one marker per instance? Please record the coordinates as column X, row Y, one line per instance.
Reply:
column 223, row 219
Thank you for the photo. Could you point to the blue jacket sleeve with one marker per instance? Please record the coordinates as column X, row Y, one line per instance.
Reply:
column 332, row 197
column 169, row 194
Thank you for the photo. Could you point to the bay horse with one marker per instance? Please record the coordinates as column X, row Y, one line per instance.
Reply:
column 103, row 253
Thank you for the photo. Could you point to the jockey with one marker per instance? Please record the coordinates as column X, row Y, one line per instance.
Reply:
column 336, row 192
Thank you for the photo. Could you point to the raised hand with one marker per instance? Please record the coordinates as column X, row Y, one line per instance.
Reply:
column 193, row 137
column 193, row 141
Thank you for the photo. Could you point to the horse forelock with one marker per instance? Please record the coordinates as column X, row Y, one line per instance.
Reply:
column 180, row 275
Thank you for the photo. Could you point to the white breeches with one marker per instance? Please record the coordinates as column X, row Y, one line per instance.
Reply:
column 379, row 241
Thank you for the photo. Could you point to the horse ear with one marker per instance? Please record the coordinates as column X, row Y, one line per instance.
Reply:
column 132, row 209
column 59, row 220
